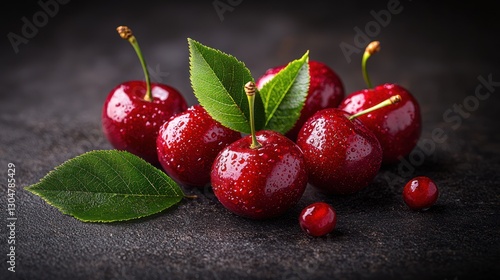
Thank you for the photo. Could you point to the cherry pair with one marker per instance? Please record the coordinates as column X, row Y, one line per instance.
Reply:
column 320, row 218
column 153, row 121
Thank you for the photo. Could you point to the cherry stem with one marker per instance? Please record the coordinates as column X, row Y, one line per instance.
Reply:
column 392, row 100
column 250, row 91
column 372, row 48
column 191, row 196
column 126, row 33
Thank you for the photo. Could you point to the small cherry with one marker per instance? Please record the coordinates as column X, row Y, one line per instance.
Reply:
column 318, row 219
column 342, row 155
column 188, row 143
column 420, row 193
column 326, row 90
column 397, row 127
column 260, row 176
column 134, row 110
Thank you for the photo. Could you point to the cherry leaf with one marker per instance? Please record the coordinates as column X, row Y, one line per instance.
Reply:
column 284, row 95
column 218, row 81
column 107, row 186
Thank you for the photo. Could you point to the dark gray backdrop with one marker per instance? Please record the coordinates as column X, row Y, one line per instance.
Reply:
column 53, row 88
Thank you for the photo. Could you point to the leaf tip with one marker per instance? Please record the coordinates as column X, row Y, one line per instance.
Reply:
column 30, row 189
column 306, row 56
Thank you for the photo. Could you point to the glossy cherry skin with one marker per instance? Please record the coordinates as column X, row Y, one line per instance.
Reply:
column 326, row 90
column 397, row 127
column 318, row 219
column 188, row 143
column 131, row 123
column 420, row 193
column 342, row 156
column 259, row 183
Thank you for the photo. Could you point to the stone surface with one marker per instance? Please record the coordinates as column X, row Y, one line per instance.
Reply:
column 54, row 86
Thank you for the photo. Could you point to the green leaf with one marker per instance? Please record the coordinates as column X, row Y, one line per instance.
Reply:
column 285, row 94
column 108, row 186
column 218, row 81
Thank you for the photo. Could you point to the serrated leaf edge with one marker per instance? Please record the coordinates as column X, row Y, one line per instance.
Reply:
column 195, row 44
column 304, row 59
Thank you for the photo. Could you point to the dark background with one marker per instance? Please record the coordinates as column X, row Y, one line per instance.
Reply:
column 52, row 91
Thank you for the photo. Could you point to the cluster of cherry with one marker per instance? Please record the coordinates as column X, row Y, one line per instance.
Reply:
column 338, row 144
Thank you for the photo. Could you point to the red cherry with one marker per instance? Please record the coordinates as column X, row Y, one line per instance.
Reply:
column 260, row 176
column 131, row 123
column 420, row 193
column 134, row 111
column 263, row 182
column 326, row 90
column 342, row 155
column 397, row 127
column 318, row 219
column 188, row 143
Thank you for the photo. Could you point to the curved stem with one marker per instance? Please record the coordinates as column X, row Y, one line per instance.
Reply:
column 126, row 33
column 250, row 91
column 372, row 48
column 365, row 73
column 391, row 100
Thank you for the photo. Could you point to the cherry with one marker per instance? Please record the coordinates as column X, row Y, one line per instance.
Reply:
column 134, row 110
column 397, row 127
column 188, row 143
column 420, row 193
column 260, row 176
column 318, row 219
column 326, row 90
column 342, row 155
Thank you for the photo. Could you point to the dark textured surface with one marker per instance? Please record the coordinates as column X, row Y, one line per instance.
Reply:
column 50, row 102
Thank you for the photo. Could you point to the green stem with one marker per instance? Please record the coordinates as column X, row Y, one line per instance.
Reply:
column 126, row 33
column 250, row 91
column 372, row 48
column 392, row 100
